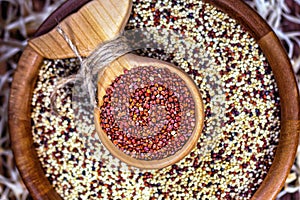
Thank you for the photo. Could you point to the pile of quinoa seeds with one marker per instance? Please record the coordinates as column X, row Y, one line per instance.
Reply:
column 160, row 113
column 240, row 133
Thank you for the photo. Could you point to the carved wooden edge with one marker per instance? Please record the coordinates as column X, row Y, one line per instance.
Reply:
column 284, row 76
column 288, row 91
column 283, row 161
column 69, row 7
column 20, row 126
column 290, row 115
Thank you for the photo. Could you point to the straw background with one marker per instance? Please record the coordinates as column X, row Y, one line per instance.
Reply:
column 20, row 18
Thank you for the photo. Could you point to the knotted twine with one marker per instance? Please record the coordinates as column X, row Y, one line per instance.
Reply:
column 92, row 65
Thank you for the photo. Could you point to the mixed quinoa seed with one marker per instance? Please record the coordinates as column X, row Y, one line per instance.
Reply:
column 241, row 128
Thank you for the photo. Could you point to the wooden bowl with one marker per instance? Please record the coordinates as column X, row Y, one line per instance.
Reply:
column 30, row 62
column 129, row 62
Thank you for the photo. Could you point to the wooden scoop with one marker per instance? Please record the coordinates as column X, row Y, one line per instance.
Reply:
column 129, row 62
column 98, row 22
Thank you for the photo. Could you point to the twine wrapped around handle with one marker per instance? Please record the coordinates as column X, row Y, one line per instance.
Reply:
column 92, row 65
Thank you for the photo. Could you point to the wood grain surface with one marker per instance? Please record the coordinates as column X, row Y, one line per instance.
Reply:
column 290, row 115
column 20, row 126
column 68, row 8
column 84, row 28
column 26, row 74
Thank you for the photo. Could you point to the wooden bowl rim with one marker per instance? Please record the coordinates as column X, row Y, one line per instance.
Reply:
column 30, row 62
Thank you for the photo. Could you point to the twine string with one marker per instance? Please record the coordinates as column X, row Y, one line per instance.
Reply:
column 92, row 65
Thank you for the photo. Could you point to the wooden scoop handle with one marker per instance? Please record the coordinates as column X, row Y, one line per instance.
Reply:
column 96, row 22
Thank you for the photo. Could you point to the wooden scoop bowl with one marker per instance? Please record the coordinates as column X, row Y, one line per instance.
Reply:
column 129, row 62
